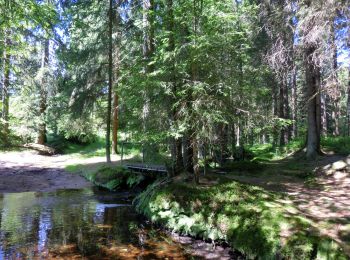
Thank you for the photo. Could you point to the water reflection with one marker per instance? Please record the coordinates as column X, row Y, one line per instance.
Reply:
column 77, row 224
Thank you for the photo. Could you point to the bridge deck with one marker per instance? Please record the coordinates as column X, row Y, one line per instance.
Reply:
column 140, row 167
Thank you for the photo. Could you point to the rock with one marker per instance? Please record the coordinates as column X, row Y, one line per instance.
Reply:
column 348, row 160
column 339, row 165
column 340, row 175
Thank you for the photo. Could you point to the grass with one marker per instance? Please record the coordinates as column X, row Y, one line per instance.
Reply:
column 94, row 149
column 339, row 145
column 251, row 220
column 267, row 152
column 153, row 154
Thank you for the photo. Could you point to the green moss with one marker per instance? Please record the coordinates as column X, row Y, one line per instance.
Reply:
column 250, row 219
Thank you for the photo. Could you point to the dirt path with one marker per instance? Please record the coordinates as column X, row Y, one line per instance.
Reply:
column 27, row 171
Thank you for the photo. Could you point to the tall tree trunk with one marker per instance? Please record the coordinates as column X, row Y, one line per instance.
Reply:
column 283, row 103
column 194, row 144
column 324, row 123
column 115, row 123
column 275, row 112
column 110, row 82
column 188, row 154
column 5, row 91
column 148, row 50
column 43, row 94
column 348, row 103
column 294, row 102
column 312, row 72
column 336, row 106
column 176, row 141
column 197, row 5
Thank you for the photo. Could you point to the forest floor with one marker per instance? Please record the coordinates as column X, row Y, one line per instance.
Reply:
column 319, row 190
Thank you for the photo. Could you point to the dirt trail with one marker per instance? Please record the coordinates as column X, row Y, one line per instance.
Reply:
column 28, row 171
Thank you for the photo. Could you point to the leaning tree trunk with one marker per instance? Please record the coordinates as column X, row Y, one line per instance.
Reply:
column 110, row 82
column 313, row 107
column 43, row 94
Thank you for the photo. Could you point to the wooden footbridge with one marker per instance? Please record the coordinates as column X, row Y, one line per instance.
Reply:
column 146, row 168
column 142, row 167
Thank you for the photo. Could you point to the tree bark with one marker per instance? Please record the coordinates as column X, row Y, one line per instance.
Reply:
column 336, row 106
column 115, row 123
column 194, row 145
column 110, row 82
column 188, row 154
column 5, row 91
column 148, row 50
column 312, row 72
column 348, row 103
column 294, row 102
column 282, row 111
column 324, row 121
column 176, row 141
column 43, row 94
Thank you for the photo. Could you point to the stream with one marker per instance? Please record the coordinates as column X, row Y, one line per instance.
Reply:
column 87, row 224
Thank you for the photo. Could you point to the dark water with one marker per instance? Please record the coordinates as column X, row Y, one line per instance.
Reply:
column 78, row 224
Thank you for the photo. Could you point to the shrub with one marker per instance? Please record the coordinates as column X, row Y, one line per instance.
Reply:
column 116, row 178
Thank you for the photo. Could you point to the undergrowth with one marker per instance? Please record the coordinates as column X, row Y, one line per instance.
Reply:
column 110, row 177
column 339, row 145
column 250, row 219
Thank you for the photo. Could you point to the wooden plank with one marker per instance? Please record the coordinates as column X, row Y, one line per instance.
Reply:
column 146, row 167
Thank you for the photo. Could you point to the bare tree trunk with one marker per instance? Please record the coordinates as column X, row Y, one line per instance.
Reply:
column 313, row 85
column 43, row 94
column 110, row 82
column 115, row 123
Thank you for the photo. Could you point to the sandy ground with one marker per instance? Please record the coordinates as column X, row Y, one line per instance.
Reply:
column 27, row 171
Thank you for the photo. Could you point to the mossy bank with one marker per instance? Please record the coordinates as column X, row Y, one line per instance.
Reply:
column 251, row 220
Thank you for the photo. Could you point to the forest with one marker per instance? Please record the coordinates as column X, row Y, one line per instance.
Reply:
column 226, row 121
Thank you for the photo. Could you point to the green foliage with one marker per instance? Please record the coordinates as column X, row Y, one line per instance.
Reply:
column 250, row 219
column 266, row 152
column 339, row 145
column 115, row 178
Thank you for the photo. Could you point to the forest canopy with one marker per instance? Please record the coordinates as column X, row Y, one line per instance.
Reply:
column 197, row 76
